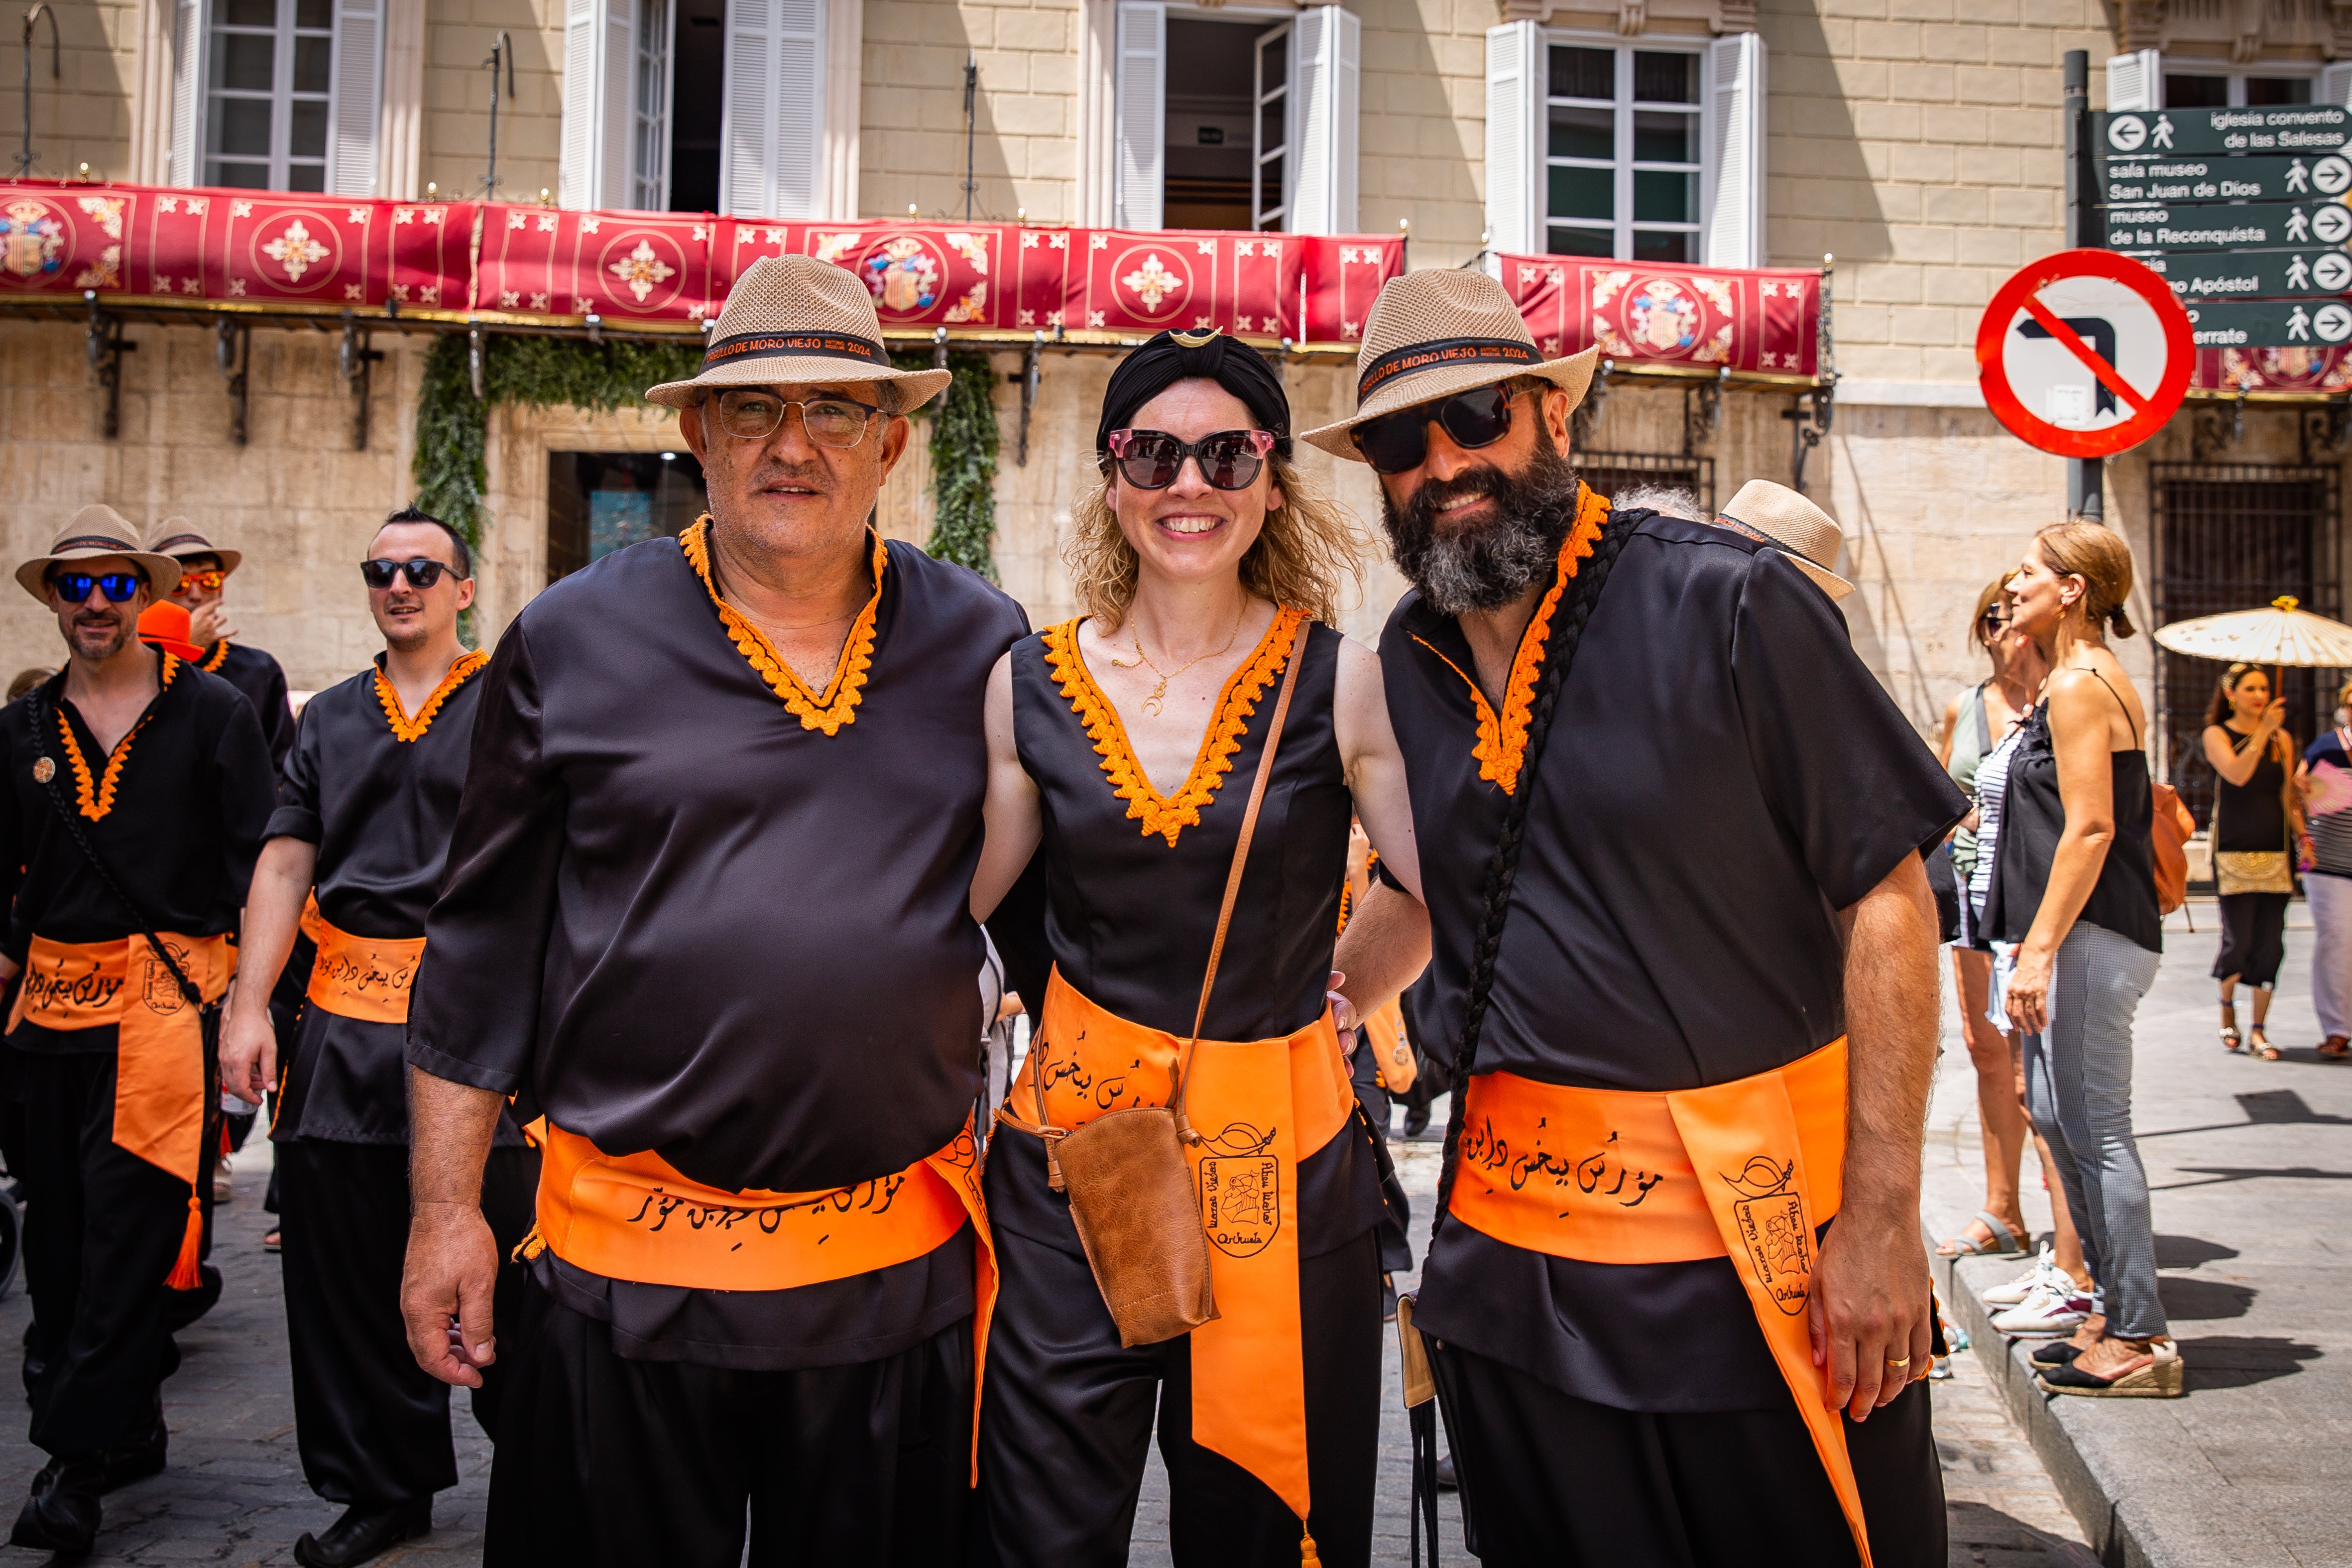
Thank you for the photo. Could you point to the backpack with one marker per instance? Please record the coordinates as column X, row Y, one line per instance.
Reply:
column 2169, row 838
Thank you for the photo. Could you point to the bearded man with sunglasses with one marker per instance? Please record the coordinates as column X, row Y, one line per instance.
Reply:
column 354, row 856
column 1683, row 961
column 138, row 789
column 204, row 569
column 707, row 910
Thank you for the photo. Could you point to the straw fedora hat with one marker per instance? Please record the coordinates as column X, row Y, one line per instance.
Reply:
column 97, row 530
column 1431, row 334
column 1806, row 535
column 793, row 320
column 177, row 538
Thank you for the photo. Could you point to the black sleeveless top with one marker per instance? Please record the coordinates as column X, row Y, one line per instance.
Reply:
column 2250, row 817
column 2123, row 901
column 1131, row 916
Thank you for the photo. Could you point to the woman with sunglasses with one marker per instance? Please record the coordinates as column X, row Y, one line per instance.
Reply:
column 1126, row 742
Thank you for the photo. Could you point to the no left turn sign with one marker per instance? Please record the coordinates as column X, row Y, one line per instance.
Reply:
column 2084, row 353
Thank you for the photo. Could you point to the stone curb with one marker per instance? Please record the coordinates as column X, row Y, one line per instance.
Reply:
column 2105, row 1525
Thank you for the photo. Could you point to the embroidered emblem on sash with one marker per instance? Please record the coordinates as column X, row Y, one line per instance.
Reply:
column 1772, row 1229
column 157, row 989
column 1241, row 1191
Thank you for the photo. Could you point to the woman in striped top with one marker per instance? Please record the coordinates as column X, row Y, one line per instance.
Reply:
column 2325, row 779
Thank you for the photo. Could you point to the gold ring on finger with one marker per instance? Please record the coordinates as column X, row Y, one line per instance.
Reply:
column 1899, row 1365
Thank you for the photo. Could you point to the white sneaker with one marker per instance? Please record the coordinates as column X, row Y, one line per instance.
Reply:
column 2045, row 1313
column 2010, row 1293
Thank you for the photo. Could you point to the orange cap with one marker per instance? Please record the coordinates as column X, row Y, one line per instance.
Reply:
column 165, row 624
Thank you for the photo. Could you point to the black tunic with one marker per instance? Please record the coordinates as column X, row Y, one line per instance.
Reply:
column 1723, row 776
column 676, row 919
column 256, row 675
column 379, row 811
column 180, row 831
column 2250, row 817
column 1131, row 917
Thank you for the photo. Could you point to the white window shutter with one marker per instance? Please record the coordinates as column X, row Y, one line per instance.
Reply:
column 616, row 71
column 2335, row 83
column 1326, row 45
column 1733, row 217
column 1517, row 66
column 185, row 162
column 576, row 169
column 2135, row 80
column 772, row 135
column 1142, row 113
column 359, row 97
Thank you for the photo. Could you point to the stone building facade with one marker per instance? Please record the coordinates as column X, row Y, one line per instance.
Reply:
column 1917, row 141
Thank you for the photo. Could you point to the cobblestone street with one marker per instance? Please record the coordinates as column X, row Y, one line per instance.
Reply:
column 234, row 1492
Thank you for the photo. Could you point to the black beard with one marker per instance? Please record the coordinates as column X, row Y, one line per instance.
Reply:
column 1485, row 566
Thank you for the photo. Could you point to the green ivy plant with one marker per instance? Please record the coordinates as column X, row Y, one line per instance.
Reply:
column 451, row 469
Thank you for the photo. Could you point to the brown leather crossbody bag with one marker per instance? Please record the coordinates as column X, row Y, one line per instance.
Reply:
column 1129, row 1185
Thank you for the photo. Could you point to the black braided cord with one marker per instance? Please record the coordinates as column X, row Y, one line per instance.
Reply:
column 1503, row 868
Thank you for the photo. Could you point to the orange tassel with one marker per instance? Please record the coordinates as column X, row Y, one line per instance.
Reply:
column 185, row 1275
column 1307, row 1557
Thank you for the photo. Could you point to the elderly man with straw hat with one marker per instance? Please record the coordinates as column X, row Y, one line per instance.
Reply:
column 707, row 912
column 1684, row 963
column 138, row 787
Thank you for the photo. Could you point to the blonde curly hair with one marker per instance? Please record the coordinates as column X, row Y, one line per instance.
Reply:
column 1305, row 548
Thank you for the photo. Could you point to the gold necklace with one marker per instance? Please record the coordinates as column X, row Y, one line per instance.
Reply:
column 1153, row 704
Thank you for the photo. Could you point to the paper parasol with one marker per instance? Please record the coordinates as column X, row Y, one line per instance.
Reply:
column 2281, row 635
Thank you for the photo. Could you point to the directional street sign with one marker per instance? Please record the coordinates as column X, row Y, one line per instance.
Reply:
column 2085, row 353
column 2260, row 227
column 2218, row 178
column 2303, row 128
column 2270, row 324
column 2253, row 274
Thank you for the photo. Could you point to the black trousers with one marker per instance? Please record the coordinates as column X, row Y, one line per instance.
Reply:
column 370, row 1425
column 606, row 1462
column 102, row 1229
column 1550, row 1480
column 1067, row 1418
column 2253, row 938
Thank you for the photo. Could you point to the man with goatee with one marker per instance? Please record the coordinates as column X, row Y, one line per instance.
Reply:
column 138, row 787
column 1684, row 963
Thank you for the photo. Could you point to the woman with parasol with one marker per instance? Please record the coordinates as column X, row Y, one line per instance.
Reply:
column 2256, row 814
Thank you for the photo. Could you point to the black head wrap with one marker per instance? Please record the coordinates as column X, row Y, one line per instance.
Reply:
column 1170, row 357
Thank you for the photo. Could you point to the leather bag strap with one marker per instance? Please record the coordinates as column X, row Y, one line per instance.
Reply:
column 1233, row 878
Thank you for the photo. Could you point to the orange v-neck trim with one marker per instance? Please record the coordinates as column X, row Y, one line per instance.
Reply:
column 95, row 798
column 1502, row 748
column 404, row 728
column 1227, row 723
column 838, row 704
column 214, row 659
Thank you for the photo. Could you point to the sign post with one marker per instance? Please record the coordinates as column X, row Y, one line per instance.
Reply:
column 2086, row 353
column 2086, row 478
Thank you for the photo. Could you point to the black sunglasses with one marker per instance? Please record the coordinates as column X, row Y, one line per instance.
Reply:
column 1229, row 460
column 1399, row 443
column 421, row 572
column 119, row 588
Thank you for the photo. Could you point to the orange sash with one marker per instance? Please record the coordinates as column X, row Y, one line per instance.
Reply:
column 1392, row 1056
column 363, row 977
column 159, row 1072
column 1261, row 1106
column 633, row 1217
column 1607, row 1176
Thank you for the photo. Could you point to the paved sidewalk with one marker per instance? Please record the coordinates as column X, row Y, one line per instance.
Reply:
column 2250, row 1165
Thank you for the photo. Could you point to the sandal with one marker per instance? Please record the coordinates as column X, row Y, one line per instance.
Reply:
column 2160, row 1375
column 2000, row 1240
column 2335, row 1048
column 2230, row 1038
column 2259, row 1045
column 269, row 1241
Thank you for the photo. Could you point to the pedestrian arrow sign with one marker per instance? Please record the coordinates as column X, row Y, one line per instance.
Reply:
column 2255, row 226
column 2270, row 324
column 2253, row 274
column 2086, row 353
column 2305, row 128
column 2215, row 178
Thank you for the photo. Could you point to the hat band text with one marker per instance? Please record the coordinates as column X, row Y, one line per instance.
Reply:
column 1444, row 352
column 793, row 345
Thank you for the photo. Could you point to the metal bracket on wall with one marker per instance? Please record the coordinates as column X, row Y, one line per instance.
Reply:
column 939, row 348
column 233, row 352
column 1808, row 425
column 2212, row 432
column 2326, row 434
column 1703, row 411
column 355, row 359
column 1029, row 396
column 1586, row 415
column 107, row 346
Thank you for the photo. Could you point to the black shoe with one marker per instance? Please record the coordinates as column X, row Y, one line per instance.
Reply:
column 182, row 1308
column 1446, row 1481
column 1416, row 1120
column 2057, row 1352
column 137, row 1459
column 366, row 1531
column 62, row 1512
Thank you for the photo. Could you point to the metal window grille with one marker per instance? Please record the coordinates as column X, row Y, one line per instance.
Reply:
column 1611, row 472
column 2234, row 537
